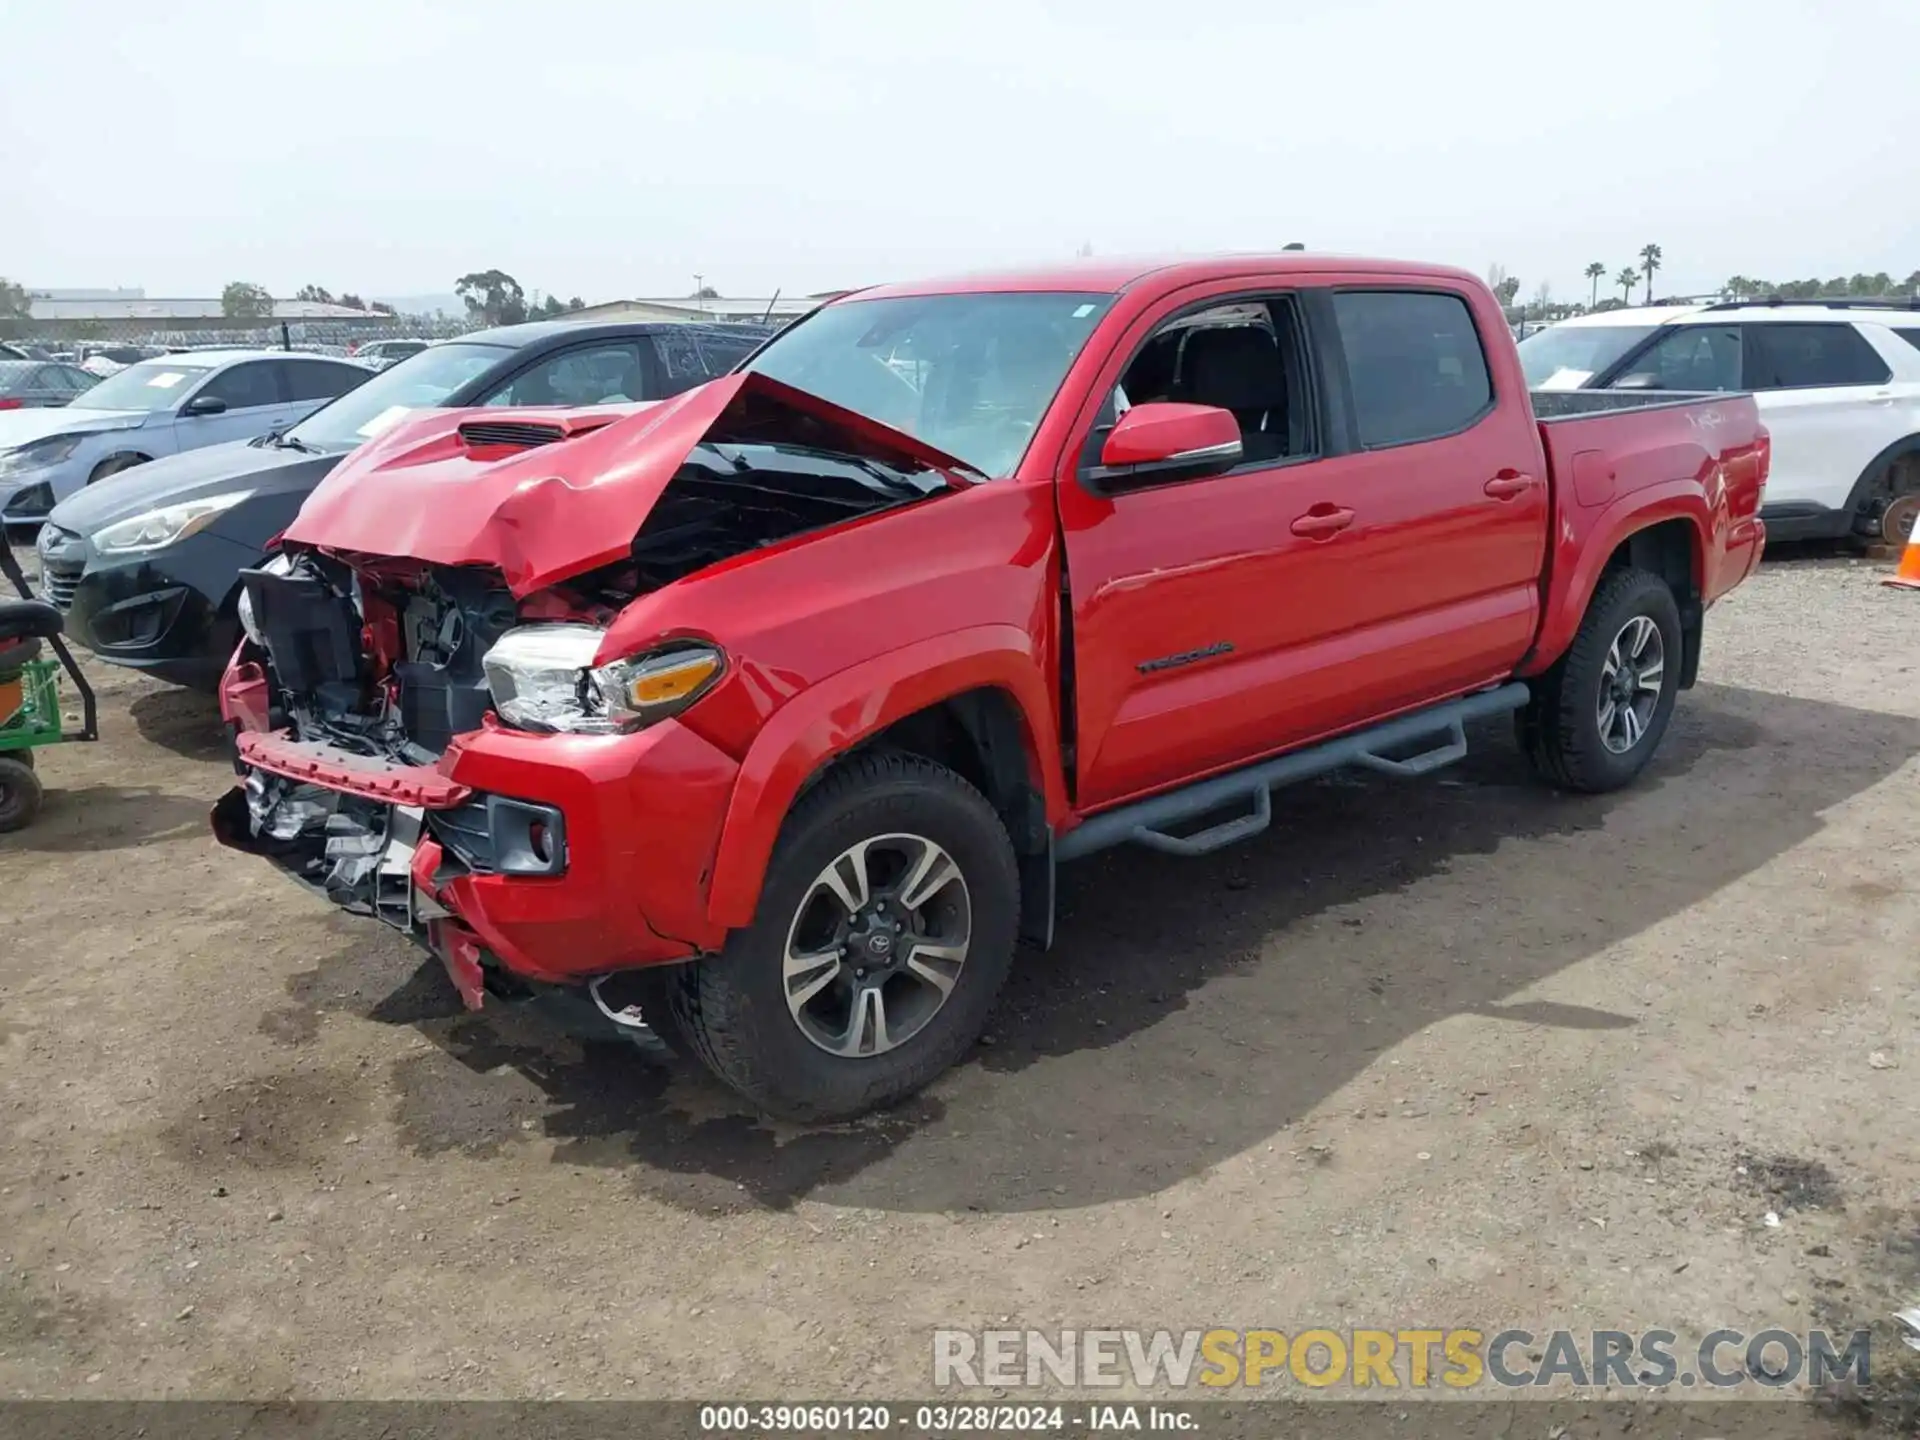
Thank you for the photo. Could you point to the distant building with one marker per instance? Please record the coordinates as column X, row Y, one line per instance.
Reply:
column 684, row 309
column 107, row 306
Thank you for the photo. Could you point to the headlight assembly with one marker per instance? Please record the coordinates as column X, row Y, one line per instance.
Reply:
column 157, row 528
column 543, row 678
column 38, row 454
column 274, row 565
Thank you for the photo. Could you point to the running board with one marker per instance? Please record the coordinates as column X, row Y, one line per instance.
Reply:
column 1441, row 727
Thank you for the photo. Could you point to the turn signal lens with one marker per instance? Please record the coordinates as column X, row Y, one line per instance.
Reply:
column 668, row 679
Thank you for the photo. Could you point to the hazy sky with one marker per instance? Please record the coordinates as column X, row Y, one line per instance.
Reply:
column 609, row 149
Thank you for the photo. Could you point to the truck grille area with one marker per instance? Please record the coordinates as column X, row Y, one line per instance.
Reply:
column 321, row 631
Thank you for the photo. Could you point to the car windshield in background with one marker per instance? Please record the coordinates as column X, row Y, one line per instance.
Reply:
column 150, row 385
column 419, row 382
column 968, row 374
column 1565, row 357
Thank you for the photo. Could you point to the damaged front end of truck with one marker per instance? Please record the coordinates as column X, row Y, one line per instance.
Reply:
column 435, row 670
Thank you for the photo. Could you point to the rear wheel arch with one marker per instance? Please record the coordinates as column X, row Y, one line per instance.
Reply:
column 1899, row 464
column 1674, row 550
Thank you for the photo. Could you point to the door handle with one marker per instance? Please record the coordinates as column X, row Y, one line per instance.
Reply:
column 1323, row 522
column 1507, row 484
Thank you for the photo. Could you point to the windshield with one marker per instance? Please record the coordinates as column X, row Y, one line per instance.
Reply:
column 420, row 382
column 150, row 385
column 968, row 374
column 1565, row 357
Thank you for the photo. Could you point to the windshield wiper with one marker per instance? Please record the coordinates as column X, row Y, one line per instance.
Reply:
column 281, row 441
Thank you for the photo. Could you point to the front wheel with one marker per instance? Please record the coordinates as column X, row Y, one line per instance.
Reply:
column 20, row 793
column 1596, row 717
column 885, row 929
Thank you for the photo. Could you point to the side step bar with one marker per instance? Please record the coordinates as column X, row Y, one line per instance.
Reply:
column 1145, row 822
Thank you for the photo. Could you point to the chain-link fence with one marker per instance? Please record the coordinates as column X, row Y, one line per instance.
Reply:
column 100, row 344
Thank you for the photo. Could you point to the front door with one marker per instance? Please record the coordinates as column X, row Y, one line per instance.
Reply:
column 1378, row 547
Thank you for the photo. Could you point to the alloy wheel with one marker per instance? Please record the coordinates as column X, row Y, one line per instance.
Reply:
column 876, row 945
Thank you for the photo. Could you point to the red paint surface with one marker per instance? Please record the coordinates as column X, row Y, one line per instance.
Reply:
column 1344, row 590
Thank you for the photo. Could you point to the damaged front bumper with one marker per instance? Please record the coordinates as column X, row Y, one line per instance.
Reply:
column 519, row 860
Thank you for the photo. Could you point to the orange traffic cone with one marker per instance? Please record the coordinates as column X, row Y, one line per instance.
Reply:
column 1907, row 577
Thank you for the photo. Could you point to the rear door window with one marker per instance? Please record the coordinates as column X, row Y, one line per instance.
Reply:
column 682, row 365
column 1800, row 357
column 319, row 380
column 1415, row 366
column 1687, row 357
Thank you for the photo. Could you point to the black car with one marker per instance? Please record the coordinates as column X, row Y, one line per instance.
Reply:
column 146, row 565
column 32, row 383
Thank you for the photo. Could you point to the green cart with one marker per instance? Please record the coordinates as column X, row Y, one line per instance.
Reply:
column 30, row 695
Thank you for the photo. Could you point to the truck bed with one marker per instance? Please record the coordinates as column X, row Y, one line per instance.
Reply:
column 1700, row 458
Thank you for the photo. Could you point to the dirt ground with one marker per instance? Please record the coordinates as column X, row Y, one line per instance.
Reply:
column 1453, row 1052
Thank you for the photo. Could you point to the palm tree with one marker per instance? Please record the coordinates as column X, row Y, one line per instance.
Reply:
column 1594, row 272
column 1649, row 262
column 1626, row 280
column 1738, row 287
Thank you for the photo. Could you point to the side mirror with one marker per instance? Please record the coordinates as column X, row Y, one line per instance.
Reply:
column 1639, row 380
column 1160, row 441
column 204, row 405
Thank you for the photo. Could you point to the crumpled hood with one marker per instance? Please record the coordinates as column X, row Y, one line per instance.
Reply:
column 21, row 427
column 543, row 514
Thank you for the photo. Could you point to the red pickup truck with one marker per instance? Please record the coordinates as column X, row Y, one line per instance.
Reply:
column 763, row 715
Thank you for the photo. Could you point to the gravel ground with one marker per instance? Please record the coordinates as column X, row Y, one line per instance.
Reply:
column 1461, row 1051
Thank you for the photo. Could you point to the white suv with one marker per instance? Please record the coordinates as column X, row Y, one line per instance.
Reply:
column 1838, row 384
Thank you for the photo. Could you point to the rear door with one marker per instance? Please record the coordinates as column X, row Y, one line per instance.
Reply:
column 309, row 384
column 1356, row 562
column 1828, row 400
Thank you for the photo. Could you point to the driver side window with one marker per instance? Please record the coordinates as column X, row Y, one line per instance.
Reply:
column 1691, row 357
column 1244, row 356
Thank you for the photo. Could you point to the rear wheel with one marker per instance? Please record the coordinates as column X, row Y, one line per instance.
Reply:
column 1895, row 525
column 885, row 929
column 20, row 792
column 1596, row 718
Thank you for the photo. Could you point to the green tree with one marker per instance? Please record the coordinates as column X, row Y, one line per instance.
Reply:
column 1626, row 280
column 315, row 293
column 15, row 303
column 242, row 300
column 551, row 308
column 351, row 301
column 576, row 303
column 493, row 296
column 1650, row 262
column 1594, row 272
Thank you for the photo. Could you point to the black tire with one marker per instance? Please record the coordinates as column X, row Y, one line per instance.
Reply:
column 1559, row 728
column 20, row 794
column 114, row 467
column 732, row 1008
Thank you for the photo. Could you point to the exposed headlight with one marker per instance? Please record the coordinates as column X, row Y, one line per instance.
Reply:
column 164, row 526
column 543, row 678
column 275, row 565
column 38, row 454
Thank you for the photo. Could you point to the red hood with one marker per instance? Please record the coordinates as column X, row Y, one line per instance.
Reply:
column 543, row 514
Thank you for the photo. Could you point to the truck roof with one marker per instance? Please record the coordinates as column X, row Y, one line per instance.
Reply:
column 1110, row 277
column 1786, row 311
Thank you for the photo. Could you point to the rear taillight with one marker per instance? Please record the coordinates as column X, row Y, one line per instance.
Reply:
column 8, row 402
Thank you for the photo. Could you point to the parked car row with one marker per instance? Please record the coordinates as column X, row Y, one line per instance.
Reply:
column 154, row 409
column 1838, row 385
column 37, row 384
column 147, row 568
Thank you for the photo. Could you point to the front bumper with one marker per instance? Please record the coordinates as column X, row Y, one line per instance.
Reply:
column 164, row 611
column 641, row 817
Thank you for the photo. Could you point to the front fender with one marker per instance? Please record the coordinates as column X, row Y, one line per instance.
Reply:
column 833, row 716
column 1579, row 557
